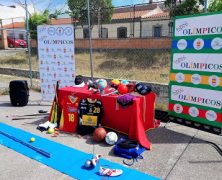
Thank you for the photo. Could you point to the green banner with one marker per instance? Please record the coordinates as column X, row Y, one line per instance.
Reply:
column 196, row 69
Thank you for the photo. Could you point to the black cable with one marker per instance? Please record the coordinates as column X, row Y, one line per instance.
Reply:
column 219, row 150
column 181, row 155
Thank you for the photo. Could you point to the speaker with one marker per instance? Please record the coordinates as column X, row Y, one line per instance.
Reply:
column 19, row 92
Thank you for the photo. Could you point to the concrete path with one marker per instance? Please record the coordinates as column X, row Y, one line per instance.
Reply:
column 178, row 153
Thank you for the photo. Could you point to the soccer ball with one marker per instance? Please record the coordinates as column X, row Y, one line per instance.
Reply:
column 111, row 138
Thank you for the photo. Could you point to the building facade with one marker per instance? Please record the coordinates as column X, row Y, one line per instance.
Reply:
column 130, row 22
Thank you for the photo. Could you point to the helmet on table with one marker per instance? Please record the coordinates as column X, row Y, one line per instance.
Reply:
column 142, row 88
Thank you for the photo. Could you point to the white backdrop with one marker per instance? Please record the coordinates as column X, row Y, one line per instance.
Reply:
column 56, row 58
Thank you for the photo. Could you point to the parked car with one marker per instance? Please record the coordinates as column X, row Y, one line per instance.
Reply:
column 16, row 43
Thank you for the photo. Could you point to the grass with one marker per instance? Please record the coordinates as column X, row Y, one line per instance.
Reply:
column 18, row 60
column 139, row 65
column 5, row 79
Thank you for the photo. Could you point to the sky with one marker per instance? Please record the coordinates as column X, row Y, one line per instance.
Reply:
column 40, row 5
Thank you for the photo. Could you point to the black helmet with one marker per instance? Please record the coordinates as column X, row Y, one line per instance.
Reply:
column 142, row 88
column 78, row 80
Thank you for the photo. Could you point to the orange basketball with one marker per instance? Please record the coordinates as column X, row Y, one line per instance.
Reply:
column 99, row 134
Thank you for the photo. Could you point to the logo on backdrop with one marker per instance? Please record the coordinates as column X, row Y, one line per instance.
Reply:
column 196, row 79
column 181, row 26
column 216, row 43
column 214, row 81
column 178, row 108
column 182, row 44
column 193, row 111
column 211, row 115
column 68, row 31
column 180, row 77
column 179, row 59
column 60, row 31
column 51, row 31
column 198, row 44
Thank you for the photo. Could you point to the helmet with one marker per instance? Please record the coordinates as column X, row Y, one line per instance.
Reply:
column 115, row 83
column 78, row 80
column 142, row 88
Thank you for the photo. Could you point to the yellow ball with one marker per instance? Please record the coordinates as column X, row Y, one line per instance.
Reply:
column 32, row 139
column 51, row 130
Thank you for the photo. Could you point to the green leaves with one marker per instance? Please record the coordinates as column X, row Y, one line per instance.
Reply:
column 100, row 10
column 35, row 20
column 184, row 7
column 215, row 5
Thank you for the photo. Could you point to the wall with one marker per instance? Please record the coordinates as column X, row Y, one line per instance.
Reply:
column 148, row 43
column 135, row 43
column 148, row 27
column 3, row 39
column 141, row 29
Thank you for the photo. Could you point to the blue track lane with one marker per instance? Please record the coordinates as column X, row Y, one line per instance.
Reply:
column 63, row 158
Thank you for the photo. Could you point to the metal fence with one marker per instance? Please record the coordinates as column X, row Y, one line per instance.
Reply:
column 134, row 45
column 15, row 29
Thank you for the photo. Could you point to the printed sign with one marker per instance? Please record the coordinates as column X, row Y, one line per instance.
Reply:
column 196, row 69
column 56, row 58
column 200, row 25
column 205, row 62
column 203, row 97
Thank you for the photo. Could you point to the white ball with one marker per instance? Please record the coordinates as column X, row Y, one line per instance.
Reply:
column 111, row 138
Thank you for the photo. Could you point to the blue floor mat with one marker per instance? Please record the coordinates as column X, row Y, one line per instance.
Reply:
column 63, row 158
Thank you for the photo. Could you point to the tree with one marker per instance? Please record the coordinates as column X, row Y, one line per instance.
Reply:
column 185, row 7
column 100, row 11
column 35, row 20
column 55, row 14
column 215, row 5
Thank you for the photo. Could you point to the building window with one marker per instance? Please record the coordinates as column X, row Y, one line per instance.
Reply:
column 157, row 31
column 21, row 36
column 122, row 32
column 85, row 33
column 104, row 33
column 170, row 27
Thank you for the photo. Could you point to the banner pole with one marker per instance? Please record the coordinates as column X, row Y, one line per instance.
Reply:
column 205, row 6
column 90, row 41
column 28, row 42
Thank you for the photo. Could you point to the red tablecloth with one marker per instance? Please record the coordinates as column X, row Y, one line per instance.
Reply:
column 134, row 120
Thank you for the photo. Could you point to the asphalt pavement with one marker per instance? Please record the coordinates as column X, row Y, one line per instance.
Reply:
column 178, row 152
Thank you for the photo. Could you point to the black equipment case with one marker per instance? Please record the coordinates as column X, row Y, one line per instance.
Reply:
column 19, row 92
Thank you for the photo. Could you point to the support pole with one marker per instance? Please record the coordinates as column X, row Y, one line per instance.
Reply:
column 28, row 42
column 205, row 6
column 90, row 41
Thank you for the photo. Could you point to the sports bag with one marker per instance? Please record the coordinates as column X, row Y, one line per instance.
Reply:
column 129, row 149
